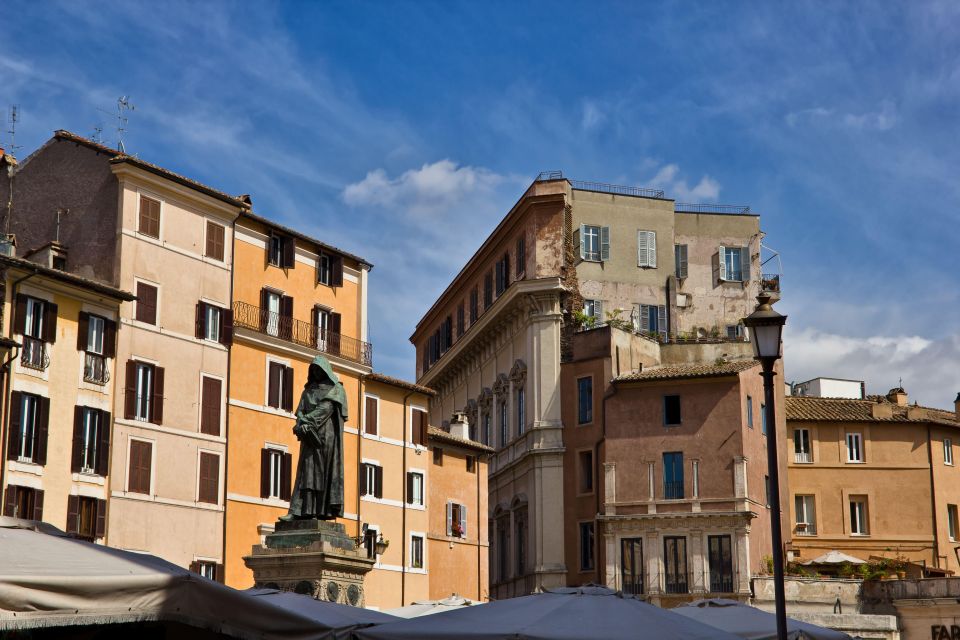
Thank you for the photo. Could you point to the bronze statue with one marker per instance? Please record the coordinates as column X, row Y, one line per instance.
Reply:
column 321, row 414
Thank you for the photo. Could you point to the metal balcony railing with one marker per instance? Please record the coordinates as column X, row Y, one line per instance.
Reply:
column 249, row 316
column 721, row 583
column 95, row 369
column 673, row 490
column 34, row 354
column 802, row 457
column 616, row 189
column 691, row 207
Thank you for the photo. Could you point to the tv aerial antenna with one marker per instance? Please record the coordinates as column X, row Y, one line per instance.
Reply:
column 13, row 117
column 123, row 106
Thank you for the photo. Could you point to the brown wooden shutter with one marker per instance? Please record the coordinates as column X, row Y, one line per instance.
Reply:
column 226, row 327
column 209, row 486
column 363, row 478
column 336, row 271
column 130, row 391
column 210, row 406
column 38, row 504
column 77, row 453
column 264, row 309
column 73, row 514
column 218, row 573
column 378, row 482
column 273, row 384
column 286, row 475
column 157, row 401
column 13, row 438
column 333, row 333
column 215, row 236
column 101, row 520
column 200, row 323
column 423, row 427
column 409, row 499
column 288, row 388
column 289, row 252
column 264, row 473
column 140, row 463
column 286, row 317
column 146, row 303
column 10, row 504
column 83, row 327
column 195, row 567
column 370, row 415
column 109, row 339
column 103, row 444
column 20, row 315
column 49, row 322
column 43, row 428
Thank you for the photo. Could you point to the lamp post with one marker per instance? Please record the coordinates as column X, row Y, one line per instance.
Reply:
column 766, row 329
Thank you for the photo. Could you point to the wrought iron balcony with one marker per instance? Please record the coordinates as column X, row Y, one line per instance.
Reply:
column 34, row 354
column 770, row 282
column 95, row 369
column 249, row 316
column 673, row 490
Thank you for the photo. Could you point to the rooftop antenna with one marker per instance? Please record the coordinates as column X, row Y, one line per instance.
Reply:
column 60, row 213
column 123, row 105
column 98, row 134
column 13, row 117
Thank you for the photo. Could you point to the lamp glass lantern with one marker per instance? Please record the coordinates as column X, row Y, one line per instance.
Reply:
column 766, row 330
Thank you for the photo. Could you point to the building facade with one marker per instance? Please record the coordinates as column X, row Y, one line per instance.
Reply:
column 569, row 255
column 874, row 477
column 58, row 408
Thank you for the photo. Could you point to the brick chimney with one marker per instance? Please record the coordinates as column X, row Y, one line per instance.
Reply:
column 898, row 396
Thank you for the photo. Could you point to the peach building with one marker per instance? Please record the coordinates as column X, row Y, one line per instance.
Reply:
column 874, row 476
column 58, row 406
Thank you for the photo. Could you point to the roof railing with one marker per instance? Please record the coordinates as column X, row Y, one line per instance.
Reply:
column 692, row 207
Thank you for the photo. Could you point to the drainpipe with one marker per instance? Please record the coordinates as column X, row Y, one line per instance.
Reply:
column 360, row 380
column 403, row 502
column 5, row 369
column 933, row 501
column 596, row 471
column 479, row 548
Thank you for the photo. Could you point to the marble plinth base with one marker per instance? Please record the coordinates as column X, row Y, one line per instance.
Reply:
column 314, row 557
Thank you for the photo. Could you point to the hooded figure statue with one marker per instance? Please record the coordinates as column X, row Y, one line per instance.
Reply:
column 321, row 414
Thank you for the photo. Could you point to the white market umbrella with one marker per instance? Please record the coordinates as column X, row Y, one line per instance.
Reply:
column 430, row 607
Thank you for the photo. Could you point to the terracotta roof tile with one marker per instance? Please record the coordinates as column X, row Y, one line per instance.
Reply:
column 680, row 371
column 444, row 436
column 852, row 410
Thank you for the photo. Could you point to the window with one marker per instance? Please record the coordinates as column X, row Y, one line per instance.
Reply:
column 36, row 320
column 721, row 564
column 29, row 420
column 733, row 264
column 763, row 419
column 91, row 441
column 680, row 260
column 631, row 565
column 271, row 303
column 750, row 411
column 371, row 480
column 734, row 331
column 419, row 427
column 212, row 316
column 952, row 521
column 487, row 291
column 471, row 464
column 456, row 520
column 675, row 564
column 521, row 525
column 323, row 269
column 647, row 249
column 280, row 386
column 415, row 488
column 474, row 305
column 23, row 502
column 594, row 243
column 696, row 478
column 214, row 323
column 521, row 256
column 858, row 516
column 207, row 569
column 370, row 541
column 671, row 410
column 281, row 251
column 854, row 447
column 503, row 543
column 144, row 389
column 461, row 324
column 416, row 551
column 673, row 475
column 585, row 459
column 140, row 467
column 801, row 446
column 948, row 451
column 209, row 484
column 96, row 337
column 33, row 327
column 275, row 473
column 215, row 233
column 521, row 411
column 806, row 515
column 486, row 427
column 149, row 221
column 321, row 323
column 96, row 327
column 503, row 273
column 650, row 318
column 766, row 491
column 371, row 417
column 593, row 309
column 584, row 400
column 504, row 425
column 438, row 456
column 86, row 517
column 330, row 270
column 146, row 310
column 586, row 546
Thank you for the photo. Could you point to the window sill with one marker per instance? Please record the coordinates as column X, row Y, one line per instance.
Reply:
column 856, row 462
column 27, row 466
column 859, row 535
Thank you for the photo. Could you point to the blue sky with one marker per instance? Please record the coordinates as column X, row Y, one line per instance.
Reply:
column 404, row 131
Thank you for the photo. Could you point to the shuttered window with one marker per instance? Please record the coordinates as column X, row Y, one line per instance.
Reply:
column 371, row 480
column 330, row 270
column 210, row 400
column 456, row 520
column 487, row 291
column 141, row 461
column 521, row 256
column 144, row 392
column 370, row 415
column 474, row 305
column 86, row 517
column 680, row 260
column 419, row 427
column 215, row 237
column 23, row 502
column 461, row 325
column 647, row 249
column 209, row 483
column 281, row 251
column 732, row 264
column 594, row 243
column 146, row 308
column 29, row 421
column 149, row 221
column 280, row 386
column 275, row 473
column 650, row 318
column 414, row 488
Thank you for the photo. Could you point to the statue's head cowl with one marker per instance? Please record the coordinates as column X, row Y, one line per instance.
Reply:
column 322, row 374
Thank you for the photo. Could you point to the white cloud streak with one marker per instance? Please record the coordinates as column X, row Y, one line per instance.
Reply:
column 667, row 178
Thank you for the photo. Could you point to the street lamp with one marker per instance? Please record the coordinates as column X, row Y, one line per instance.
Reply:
column 766, row 329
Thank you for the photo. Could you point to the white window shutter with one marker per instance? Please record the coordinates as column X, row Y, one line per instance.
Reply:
column 723, row 263
column 463, row 520
column 449, row 518
column 635, row 317
column 745, row 263
column 580, row 243
column 644, row 317
column 604, row 243
column 598, row 310
column 642, row 254
column 652, row 249
column 662, row 319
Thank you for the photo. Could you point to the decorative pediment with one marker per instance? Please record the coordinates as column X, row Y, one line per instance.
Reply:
column 519, row 501
column 502, row 385
column 485, row 399
column 519, row 372
column 470, row 410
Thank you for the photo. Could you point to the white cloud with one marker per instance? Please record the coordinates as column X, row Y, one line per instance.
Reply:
column 881, row 120
column 881, row 361
column 432, row 189
column 593, row 115
column 706, row 190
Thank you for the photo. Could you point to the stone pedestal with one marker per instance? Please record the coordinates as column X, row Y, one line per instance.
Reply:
column 314, row 557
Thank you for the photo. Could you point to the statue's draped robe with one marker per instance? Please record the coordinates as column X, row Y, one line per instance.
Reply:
column 321, row 414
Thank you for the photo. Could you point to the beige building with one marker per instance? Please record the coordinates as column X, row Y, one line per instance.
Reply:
column 874, row 476
column 493, row 342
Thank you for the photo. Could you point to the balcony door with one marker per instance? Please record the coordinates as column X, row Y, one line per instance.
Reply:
column 631, row 565
column 721, row 564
